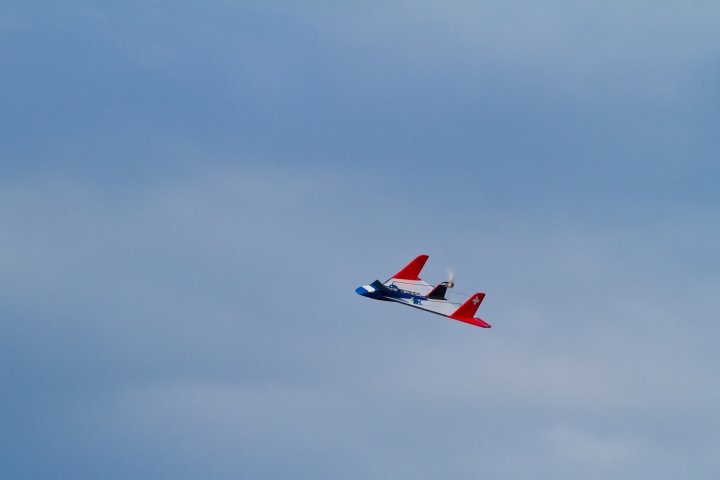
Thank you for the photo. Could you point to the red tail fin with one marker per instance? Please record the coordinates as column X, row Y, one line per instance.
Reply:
column 468, row 309
column 412, row 269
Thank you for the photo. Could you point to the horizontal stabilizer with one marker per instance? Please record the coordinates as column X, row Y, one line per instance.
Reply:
column 412, row 270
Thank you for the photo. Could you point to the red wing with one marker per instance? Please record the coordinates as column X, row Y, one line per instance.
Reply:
column 412, row 269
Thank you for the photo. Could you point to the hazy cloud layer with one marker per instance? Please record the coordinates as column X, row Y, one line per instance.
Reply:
column 190, row 195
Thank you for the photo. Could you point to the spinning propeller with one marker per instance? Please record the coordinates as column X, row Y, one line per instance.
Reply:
column 451, row 277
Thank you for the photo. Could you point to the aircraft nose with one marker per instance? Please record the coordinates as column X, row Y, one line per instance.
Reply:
column 365, row 290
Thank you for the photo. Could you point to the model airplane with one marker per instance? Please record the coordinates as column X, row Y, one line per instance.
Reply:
column 406, row 288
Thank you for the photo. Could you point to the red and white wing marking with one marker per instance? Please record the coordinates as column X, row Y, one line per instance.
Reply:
column 412, row 269
column 408, row 278
column 467, row 310
column 456, row 311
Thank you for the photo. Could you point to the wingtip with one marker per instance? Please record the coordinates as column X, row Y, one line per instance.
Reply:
column 478, row 322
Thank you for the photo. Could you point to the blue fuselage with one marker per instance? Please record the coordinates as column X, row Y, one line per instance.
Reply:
column 378, row 291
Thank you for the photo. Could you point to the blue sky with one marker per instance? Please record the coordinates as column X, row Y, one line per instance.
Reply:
column 191, row 191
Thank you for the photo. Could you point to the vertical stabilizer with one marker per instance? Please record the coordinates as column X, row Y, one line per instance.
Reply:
column 468, row 309
column 412, row 269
